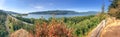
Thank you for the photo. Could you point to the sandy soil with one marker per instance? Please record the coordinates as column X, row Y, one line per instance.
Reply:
column 112, row 29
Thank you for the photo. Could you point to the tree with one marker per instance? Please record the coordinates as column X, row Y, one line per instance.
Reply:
column 114, row 9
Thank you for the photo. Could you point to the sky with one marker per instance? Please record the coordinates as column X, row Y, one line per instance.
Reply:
column 26, row 6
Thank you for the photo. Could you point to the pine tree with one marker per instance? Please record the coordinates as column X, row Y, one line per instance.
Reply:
column 114, row 9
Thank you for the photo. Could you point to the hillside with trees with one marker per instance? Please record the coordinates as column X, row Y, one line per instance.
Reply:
column 3, row 31
column 113, row 21
column 67, row 26
column 64, row 18
column 63, row 12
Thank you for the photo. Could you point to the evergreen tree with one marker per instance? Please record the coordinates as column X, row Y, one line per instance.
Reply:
column 114, row 8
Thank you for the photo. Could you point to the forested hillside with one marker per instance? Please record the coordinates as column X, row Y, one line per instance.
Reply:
column 3, row 31
column 78, row 26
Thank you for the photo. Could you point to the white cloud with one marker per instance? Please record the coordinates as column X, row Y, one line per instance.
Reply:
column 38, row 7
column 2, row 3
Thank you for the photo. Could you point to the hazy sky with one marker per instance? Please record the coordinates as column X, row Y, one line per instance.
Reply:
column 25, row 6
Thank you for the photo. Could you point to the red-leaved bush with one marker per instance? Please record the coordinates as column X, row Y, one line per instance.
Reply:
column 53, row 29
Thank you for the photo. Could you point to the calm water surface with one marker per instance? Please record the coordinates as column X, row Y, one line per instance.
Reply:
column 37, row 16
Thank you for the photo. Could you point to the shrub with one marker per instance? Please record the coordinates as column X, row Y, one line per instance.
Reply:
column 53, row 29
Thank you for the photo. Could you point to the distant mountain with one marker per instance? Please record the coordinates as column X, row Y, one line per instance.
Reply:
column 57, row 12
column 8, row 12
column 89, row 12
column 63, row 12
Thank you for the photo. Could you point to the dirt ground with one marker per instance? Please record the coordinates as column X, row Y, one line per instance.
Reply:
column 112, row 29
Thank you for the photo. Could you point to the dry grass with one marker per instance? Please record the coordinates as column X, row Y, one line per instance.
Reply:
column 112, row 29
column 21, row 33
